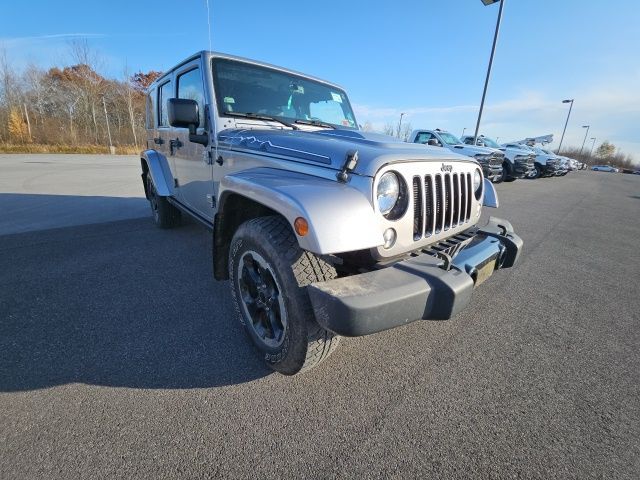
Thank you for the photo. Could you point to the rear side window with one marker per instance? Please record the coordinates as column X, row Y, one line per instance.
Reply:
column 164, row 94
column 190, row 87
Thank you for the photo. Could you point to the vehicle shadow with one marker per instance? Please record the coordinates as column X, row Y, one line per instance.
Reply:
column 117, row 304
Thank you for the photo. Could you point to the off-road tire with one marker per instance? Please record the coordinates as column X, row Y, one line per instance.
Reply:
column 163, row 213
column 305, row 343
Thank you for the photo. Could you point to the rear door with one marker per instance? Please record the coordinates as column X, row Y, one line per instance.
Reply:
column 162, row 133
column 192, row 160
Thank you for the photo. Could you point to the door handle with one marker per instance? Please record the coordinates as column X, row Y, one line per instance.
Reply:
column 158, row 141
column 173, row 144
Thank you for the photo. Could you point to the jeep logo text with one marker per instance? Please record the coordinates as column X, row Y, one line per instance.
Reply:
column 446, row 168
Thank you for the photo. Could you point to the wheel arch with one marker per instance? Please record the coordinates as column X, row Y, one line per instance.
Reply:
column 266, row 191
column 156, row 165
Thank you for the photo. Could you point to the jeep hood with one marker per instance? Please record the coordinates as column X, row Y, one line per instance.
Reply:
column 329, row 147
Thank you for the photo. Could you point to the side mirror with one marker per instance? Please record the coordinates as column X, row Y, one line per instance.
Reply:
column 184, row 113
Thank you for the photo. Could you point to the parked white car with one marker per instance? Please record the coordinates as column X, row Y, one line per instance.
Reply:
column 517, row 163
column 546, row 165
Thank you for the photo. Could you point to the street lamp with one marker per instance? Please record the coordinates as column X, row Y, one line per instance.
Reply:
column 565, row 123
column 463, row 130
column 400, row 124
column 592, row 145
column 585, row 137
column 493, row 51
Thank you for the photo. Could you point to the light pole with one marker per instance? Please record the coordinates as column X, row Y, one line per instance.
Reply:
column 565, row 123
column 493, row 51
column 592, row 145
column 400, row 124
column 463, row 130
column 585, row 136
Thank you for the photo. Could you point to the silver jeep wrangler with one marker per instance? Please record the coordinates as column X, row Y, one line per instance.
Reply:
column 322, row 230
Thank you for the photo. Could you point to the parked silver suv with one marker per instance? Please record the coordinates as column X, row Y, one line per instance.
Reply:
column 321, row 229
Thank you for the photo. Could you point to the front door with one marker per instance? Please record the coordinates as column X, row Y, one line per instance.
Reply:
column 192, row 160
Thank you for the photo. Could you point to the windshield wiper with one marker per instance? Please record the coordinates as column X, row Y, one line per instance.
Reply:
column 260, row 116
column 315, row 123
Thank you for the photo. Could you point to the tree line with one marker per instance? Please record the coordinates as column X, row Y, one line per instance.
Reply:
column 71, row 106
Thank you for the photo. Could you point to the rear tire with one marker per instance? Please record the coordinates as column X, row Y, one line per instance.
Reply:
column 268, row 273
column 164, row 214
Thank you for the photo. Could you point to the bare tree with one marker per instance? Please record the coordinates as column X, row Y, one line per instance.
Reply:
column 389, row 129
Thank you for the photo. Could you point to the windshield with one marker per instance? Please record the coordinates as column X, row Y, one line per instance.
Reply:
column 490, row 143
column 449, row 139
column 245, row 88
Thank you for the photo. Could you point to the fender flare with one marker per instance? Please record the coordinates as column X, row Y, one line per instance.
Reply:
column 340, row 217
column 158, row 168
column 490, row 198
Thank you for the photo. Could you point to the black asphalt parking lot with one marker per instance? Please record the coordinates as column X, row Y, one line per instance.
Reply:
column 120, row 356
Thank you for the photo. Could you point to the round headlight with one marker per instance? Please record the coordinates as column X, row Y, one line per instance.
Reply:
column 388, row 192
column 477, row 183
column 477, row 180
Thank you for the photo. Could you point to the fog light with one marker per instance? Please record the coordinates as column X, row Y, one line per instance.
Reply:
column 389, row 238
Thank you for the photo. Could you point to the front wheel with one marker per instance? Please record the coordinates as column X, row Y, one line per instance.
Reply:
column 538, row 172
column 164, row 214
column 268, row 274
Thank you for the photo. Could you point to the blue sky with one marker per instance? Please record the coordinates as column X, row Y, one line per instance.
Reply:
column 426, row 58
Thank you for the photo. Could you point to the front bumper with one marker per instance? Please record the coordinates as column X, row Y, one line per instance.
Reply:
column 420, row 288
column 492, row 172
column 522, row 169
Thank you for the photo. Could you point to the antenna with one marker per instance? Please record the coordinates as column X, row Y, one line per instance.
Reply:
column 208, row 23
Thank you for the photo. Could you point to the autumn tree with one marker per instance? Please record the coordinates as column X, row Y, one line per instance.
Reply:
column 17, row 126
column 605, row 150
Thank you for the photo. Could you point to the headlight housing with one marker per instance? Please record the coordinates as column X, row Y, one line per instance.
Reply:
column 391, row 196
column 477, row 183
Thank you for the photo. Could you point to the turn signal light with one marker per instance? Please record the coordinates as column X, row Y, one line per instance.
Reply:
column 301, row 226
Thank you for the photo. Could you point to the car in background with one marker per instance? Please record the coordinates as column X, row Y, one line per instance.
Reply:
column 604, row 168
column 491, row 159
column 564, row 163
column 517, row 164
column 546, row 165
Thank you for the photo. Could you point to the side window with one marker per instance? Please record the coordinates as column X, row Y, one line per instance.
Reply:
column 190, row 86
column 150, row 110
column 164, row 94
column 424, row 137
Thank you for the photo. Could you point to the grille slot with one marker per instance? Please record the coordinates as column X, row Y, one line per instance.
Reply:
column 463, row 197
column 456, row 200
column 418, row 216
column 429, row 206
column 440, row 202
column 439, row 210
column 469, row 193
column 447, row 201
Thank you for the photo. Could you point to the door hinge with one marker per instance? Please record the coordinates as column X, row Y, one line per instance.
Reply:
column 175, row 182
column 212, row 200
